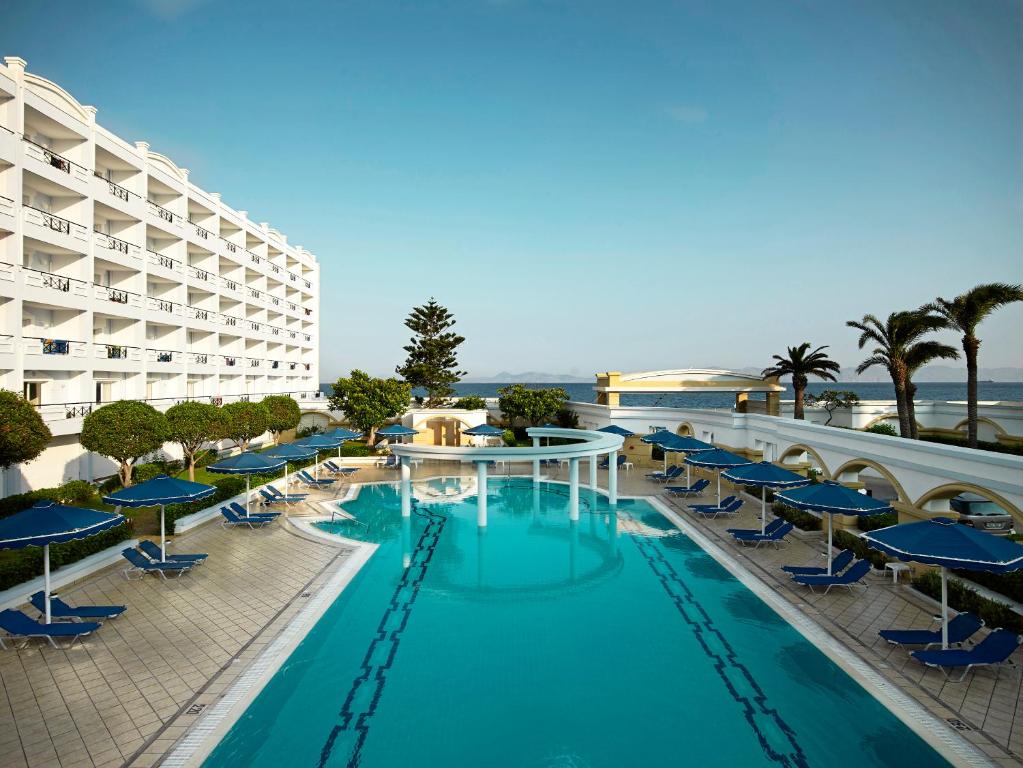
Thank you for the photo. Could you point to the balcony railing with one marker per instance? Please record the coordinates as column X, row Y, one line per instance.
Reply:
column 159, row 356
column 35, row 278
column 104, row 351
column 229, row 320
column 200, row 314
column 253, row 326
column 159, row 260
column 253, row 257
column 275, row 331
column 230, row 361
column 116, row 190
column 117, row 296
column 198, row 358
column 254, row 293
column 292, row 276
column 231, row 247
column 253, row 363
column 36, row 345
column 55, row 223
column 275, row 364
column 199, row 274
column 201, row 232
column 155, row 304
column 231, row 285
column 162, row 213
column 112, row 243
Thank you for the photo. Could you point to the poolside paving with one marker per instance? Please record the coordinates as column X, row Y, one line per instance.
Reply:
column 130, row 691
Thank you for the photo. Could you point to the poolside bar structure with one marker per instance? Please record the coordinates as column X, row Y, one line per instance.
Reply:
column 586, row 444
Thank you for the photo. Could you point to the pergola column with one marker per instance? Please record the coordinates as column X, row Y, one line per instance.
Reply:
column 593, row 472
column 573, row 488
column 536, row 462
column 481, row 494
column 612, row 477
column 406, row 487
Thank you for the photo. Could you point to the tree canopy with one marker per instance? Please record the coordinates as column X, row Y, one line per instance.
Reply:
column 534, row 406
column 191, row 425
column 23, row 433
column 368, row 402
column 125, row 431
column 244, row 422
column 832, row 400
column 432, row 362
column 800, row 363
column 283, row 414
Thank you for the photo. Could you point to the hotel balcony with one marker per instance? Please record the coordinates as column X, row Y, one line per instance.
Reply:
column 55, row 230
column 117, row 250
column 57, row 290
column 10, row 147
column 116, row 196
column 116, row 357
column 65, row 418
column 201, row 278
column 165, row 266
column 165, row 311
column 56, row 168
column 166, row 360
column 6, row 214
column 119, row 302
column 164, row 218
column 205, row 319
column 202, row 362
column 7, row 356
column 55, row 354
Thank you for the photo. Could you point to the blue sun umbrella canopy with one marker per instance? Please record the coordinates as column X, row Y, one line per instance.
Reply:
column 718, row 459
column 614, row 429
column 320, row 442
column 831, row 498
column 483, row 430
column 247, row 463
column 659, row 437
column 290, row 452
column 397, row 430
column 947, row 544
column 341, row 433
column 765, row 475
column 159, row 492
column 685, row 444
column 47, row 523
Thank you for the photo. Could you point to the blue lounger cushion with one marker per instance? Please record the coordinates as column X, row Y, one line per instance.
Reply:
column 770, row 528
column 152, row 549
column 960, row 629
column 232, row 518
column 310, row 480
column 143, row 565
column 292, row 494
column 17, row 624
column 61, row 610
column 269, row 498
column 239, row 510
column 996, row 648
column 849, row 578
column 838, row 564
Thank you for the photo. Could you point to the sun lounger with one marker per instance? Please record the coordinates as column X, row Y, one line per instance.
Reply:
column 770, row 528
column 17, row 624
column 994, row 649
column 389, row 462
column 233, row 519
column 337, row 469
column 153, row 551
column 851, row 578
column 688, row 490
column 141, row 565
column 61, row 610
column 960, row 629
column 775, row 535
column 269, row 498
column 238, row 509
column 838, row 563
column 665, row 477
column 729, row 506
column 311, row 482
column 273, row 491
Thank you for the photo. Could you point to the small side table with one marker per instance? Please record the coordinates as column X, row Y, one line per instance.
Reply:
column 896, row 569
column 628, row 466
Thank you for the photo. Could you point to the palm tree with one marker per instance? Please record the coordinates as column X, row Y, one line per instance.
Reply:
column 919, row 354
column 801, row 365
column 964, row 313
column 895, row 339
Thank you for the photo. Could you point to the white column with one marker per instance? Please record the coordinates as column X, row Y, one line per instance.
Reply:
column 46, row 579
column 406, row 487
column 481, row 494
column 612, row 477
column 536, row 462
column 593, row 472
column 573, row 489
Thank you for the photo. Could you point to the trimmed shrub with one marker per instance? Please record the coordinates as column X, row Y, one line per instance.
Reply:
column 354, row 449
column 846, row 540
column 962, row 598
column 1008, row 584
column 882, row 428
column 983, row 445
column 804, row 521
column 145, row 472
column 873, row 522
column 470, row 403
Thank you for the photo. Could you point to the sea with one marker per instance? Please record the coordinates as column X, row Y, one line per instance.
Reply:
column 583, row 392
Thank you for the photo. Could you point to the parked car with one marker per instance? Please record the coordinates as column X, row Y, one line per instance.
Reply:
column 982, row 514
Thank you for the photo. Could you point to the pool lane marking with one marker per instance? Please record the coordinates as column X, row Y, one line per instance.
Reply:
column 929, row 727
column 356, row 712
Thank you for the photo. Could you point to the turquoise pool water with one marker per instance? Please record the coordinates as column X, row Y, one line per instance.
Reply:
column 614, row 641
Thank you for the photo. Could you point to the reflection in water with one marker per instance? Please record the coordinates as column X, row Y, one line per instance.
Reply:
column 803, row 663
column 750, row 609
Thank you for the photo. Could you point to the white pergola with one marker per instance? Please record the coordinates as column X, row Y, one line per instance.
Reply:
column 587, row 444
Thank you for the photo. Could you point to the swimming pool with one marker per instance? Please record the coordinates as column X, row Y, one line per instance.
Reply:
column 614, row 641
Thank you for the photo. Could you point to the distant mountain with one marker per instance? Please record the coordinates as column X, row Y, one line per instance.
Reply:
column 527, row 377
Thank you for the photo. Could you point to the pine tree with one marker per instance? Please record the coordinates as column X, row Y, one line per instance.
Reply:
column 432, row 362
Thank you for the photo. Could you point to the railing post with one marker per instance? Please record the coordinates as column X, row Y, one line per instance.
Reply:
column 406, row 487
column 481, row 494
column 573, row 488
column 612, row 478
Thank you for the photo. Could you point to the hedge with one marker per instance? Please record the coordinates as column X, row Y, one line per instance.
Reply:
column 962, row 598
column 804, row 521
column 874, row 522
column 983, row 445
column 227, row 487
column 1008, row 584
column 846, row 540
column 72, row 492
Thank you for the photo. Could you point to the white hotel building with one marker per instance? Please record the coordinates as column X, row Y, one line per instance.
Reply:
column 120, row 279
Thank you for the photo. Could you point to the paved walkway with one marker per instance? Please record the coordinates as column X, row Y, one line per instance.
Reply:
column 124, row 696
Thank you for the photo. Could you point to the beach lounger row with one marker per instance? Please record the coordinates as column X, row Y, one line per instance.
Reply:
column 345, row 473
column 235, row 517
column 730, row 505
column 672, row 473
column 685, row 491
column 67, row 623
column 774, row 533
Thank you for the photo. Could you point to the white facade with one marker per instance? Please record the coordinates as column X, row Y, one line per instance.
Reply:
column 120, row 279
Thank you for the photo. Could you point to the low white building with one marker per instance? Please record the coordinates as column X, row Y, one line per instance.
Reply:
column 121, row 279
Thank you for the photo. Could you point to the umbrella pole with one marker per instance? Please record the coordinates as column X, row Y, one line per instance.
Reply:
column 246, row 495
column 763, row 510
column 829, row 546
column 46, row 579
column 944, row 607
column 689, row 475
column 163, row 537
column 719, row 487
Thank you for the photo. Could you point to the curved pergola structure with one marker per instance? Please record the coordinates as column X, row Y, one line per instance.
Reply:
column 611, row 385
column 587, row 444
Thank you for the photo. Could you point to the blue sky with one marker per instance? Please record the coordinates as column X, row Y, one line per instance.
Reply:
column 590, row 185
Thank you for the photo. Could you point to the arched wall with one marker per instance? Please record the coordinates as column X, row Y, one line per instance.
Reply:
column 858, row 464
column 950, row 490
column 800, row 448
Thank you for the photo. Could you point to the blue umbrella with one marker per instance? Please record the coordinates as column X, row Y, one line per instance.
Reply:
column 159, row 492
column 47, row 523
column 614, row 429
column 683, row 444
column 483, row 430
column 290, row 452
column 658, row 437
column 341, row 433
column 247, row 463
column 831, row 498
column 320, row 443
column 397, row 430
column 947, row 544
column 766, row 475
column 718, row 459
